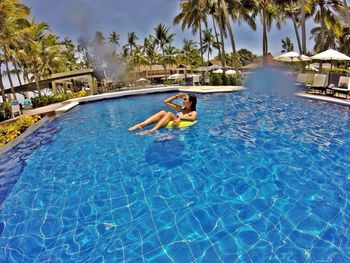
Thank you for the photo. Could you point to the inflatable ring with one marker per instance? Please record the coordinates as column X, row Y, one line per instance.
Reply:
column 182, row 124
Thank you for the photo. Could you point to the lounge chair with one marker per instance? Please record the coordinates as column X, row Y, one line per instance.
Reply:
column 15, row 109
column 319, row 84
column 301, row 79
column 343, row 87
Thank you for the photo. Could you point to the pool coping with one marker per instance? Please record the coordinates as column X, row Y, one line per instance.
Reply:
column 69, row 104
column 324, row 98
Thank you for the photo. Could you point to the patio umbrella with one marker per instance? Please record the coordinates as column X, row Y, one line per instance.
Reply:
column 218, row 71
column 141, row 79
column 292, row 57
column 175, row 76
column 230, row 72
column 213, row 67
column 330, row 55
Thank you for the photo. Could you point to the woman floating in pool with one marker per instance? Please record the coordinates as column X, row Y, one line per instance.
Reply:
column 186, row 112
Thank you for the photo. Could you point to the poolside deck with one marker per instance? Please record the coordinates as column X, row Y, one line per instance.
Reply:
column 340, row 101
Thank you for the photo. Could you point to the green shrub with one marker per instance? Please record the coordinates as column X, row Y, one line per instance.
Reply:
column 5, row 111
column 47, row 100
column 216, row 80
column 224, row 79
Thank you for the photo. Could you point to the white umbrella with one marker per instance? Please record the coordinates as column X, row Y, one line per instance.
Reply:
column 175, row 76
column 230, row 72
column 331, row 55
column 291, row 57
column 141, row 79
column 218, row 71
column 212, row 67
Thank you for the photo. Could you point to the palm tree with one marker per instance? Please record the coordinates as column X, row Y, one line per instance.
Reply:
column 139, row 57
column 268, row 13
column 192, row 15
column 150, row 49
column 163, row 38
column 83, row 49
column 208, row 41
column 34, row 50
column 328, row 20
column 114, row 40
column 291, row 9
column 12, row 23
column 213, row 10
column 132, row 40
column 287, row 45
column 124, row 54
column 189, row 52
column 239, row 11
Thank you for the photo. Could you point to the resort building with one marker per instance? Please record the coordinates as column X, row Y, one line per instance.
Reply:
column 157, row 73
column 72, row 80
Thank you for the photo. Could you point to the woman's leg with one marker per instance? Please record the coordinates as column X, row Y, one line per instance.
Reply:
column 163, row 121
column 154, row 118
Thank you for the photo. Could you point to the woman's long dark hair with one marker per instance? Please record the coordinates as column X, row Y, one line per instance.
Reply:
column 193, row 99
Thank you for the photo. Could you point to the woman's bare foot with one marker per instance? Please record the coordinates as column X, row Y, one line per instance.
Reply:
column 135, row 127
column 146, row 132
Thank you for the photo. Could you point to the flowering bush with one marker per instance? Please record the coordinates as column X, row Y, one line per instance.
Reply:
column 10, row 131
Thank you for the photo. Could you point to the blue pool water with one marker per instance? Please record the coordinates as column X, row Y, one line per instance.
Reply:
column 259, row 178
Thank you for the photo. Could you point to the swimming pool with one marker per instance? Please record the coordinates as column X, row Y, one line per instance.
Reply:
column 259, row 178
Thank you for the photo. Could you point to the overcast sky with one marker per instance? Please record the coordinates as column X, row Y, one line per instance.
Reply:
column 73, row 18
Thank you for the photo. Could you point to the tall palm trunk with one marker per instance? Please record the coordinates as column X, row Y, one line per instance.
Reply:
column 37, row 83
column 164, row 62
column 297, row 33
column 303, row 29
column 323, row 28
column 222, row 42
column 217, row 38
column 201, row 43
column 265, row 47
column 2, row 88
column 228, row 25
column 17, row 73
column 9, row 74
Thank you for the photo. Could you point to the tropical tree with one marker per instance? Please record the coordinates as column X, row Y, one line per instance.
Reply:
column 83, row 44
column 268, row 12
column 132, row 38
column 124, row 54
column 114, row 40
column 238, row 11
column 213, row 11
column 208, row 42
column 287, row 45
column 163, row 38
column 246, row 56
column 324, row 11
column 99, row 44
column 150, row 49
column 13, row 21
column 192, row 15
column 291, row 10
column 171, row 55
column 139, row 57
column 69, row 53
column 34, row 51
column 189, row 54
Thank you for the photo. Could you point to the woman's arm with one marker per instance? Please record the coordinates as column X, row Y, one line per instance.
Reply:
column 189, row 116
column 169, row 103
